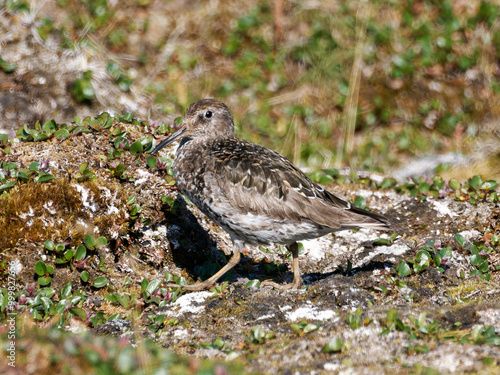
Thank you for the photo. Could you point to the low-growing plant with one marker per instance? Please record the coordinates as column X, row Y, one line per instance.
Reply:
column 335, row 345
column 304, row 327
column 356, row 320
column 259, row 335
column 84, row 174
column 420, row 329
column 479, row 257
column 431, row 255
column 44, row 272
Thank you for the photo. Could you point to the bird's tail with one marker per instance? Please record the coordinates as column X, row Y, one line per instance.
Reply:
column 368, row 219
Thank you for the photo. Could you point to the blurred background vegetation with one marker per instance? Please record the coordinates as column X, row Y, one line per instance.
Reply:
column 366, row 84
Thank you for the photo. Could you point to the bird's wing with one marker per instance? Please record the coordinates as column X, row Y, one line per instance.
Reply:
column 260, row 181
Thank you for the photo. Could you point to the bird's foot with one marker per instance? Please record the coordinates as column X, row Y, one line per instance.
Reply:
column 207, row 284
column 193, row 287
column 295, row 284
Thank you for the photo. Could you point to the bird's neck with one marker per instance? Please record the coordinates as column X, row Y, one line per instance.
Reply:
column 199, row 142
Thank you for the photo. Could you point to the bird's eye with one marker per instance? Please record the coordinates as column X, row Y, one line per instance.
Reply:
column 208, row 114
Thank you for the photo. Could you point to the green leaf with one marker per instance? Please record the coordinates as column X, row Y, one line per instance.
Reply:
column 488, row 361
column 423, row 256
column 82, row 129
column 22, row 175
column 47, row 292
column 381, row 242
column 78, row 312
column 44, row 280
column 311, row 327
column 81, row 252
column 131, row 200
column 360, row 202
column 472, row 199
column 392, row 315
column 475, row 259
column 252, row 284
column 135, row 210
column 424, row 187
column 4, row 299
column 44, row 177
column 168, row 278
column 437, row 260
column 403, row 268
column 475, row 181
column 483, row 266
column 40, row 137
column 49, row 245
column 486, row 276
column 114, row 317
column 34, row 166
column 61, row 134
column 7, row 186
column 145, row 282
column 40, row 268
column 89, row 241
column 421, row 349
column 126, row 117
column 152, row 286
column 421, row 319
column 136, row 147
column 4, row 138
column 101, row 241
column 50, row 269
column 454, row 184
column 151, row 162
column 82, row 88
column 445, row 252
column 460, row 239
column 49, row 126
column 296, row 328
column 180, row 280
column 85, row 276
column 66, row 289
column 474, row 250
column 100, row 282
column 83, row 167
column 489, row 185
column 69, row 254
column 333, row 346
column 47, row 304
column 123, row 299
column 387, row 183
column 60, row 247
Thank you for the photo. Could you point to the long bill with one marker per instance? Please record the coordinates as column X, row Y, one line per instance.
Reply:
column 171, row 138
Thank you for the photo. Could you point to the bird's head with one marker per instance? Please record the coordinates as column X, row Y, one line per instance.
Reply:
column 206, row 119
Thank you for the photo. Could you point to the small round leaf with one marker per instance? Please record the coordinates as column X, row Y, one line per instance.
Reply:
column 40, row 268
column 81, row 252
column 100, row 282
column 44, row 280
column 85, row 276
column 49, row 245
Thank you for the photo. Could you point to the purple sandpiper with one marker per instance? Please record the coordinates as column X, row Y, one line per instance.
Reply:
column 256, row 195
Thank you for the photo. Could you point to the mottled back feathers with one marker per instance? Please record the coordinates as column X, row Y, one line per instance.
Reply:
column 257, row 180
column 244, row 186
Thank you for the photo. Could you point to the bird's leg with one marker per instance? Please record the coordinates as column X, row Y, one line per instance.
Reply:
column 207, row 284
column 297, row 280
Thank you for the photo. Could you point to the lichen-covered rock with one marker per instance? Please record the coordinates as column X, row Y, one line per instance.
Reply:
column 107, row 229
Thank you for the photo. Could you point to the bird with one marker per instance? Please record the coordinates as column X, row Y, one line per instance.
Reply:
column 255, row 194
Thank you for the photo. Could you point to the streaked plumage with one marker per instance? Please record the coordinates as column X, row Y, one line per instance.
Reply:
column 252, row 192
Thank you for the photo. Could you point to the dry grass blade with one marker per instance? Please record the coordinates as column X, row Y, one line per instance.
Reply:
column 362, row 16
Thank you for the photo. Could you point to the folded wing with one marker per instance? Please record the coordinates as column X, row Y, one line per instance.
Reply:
column 261, row 181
